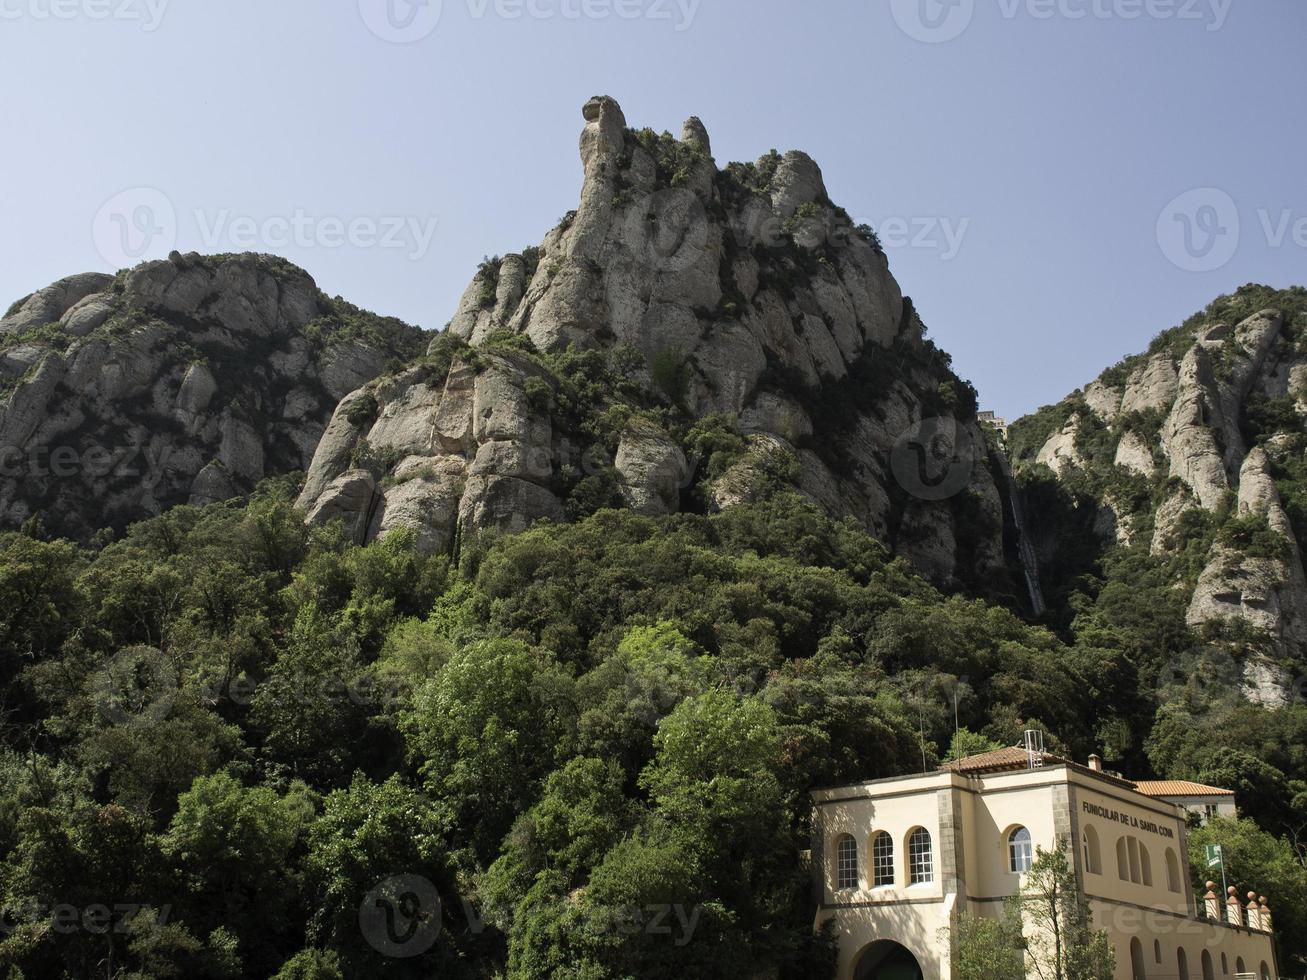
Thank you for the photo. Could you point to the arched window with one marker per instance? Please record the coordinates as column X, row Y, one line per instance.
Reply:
column 1182, row 963
column 1020, row 851
column 1225, row 964
column 1132, row 861
column 1238, row 967
column 1172, row 871
column 1266, row 971
column 1137, row 960
column 921, row 860
column 1157, row 951
column 846, row 863
column 882, row 860
column 1208, row 973
column 1093, row 859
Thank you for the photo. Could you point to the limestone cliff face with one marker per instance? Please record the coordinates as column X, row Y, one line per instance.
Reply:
column 1211, row 425
column 179, row 381
column 677, row 298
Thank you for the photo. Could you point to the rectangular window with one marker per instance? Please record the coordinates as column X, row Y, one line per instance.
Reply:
column 921, row 864
column 847, row 864
column 882, row 857
column 1021, row 853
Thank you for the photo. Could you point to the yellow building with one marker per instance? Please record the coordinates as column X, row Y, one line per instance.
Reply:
column 897, row 860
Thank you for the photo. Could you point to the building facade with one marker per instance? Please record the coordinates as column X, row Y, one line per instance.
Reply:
column 993, row 421
column 1199, row 801
column 897, row 860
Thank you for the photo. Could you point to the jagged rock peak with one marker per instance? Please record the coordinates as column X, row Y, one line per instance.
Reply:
column 741, row 295
column 605, row 129
column 694, row 131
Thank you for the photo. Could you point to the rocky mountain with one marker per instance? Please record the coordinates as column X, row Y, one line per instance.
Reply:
column 626, row 705
column 1192, row 455
column 687, row 338
column 180, row 381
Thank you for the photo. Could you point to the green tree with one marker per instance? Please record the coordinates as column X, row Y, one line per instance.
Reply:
column 1064, row 944
column 486, row 731
column 622, row 700
column 231, row 847
column 722, row 808
column 1257, row 860
column 990, row 949
column 368, row 834
column 311, row 709
column 39, row 602
column 79, row 857
column 311, row 964
column 965, row 743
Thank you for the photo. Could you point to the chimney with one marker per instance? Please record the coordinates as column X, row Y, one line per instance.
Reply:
column 1096, row 762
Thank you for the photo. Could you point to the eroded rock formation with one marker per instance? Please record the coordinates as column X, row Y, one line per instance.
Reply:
column 741, row 295
column 187, row 380
column 1197, row 438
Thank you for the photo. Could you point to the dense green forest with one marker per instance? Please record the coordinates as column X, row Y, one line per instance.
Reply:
column 233, row 744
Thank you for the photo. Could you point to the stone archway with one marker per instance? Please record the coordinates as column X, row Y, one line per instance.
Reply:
column 886, row 960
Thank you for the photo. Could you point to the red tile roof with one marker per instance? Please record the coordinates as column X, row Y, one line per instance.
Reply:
column 998, row 760
column 1179, row 787
column 1016, row 758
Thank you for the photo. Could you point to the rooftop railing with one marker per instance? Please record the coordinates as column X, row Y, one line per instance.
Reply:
column 1255, row 915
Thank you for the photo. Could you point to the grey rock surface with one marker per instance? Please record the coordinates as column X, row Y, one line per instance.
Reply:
column 209, row 374
column 732, row 294
column 1204, row 438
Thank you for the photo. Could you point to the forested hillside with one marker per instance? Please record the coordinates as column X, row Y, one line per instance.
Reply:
column 228, row 730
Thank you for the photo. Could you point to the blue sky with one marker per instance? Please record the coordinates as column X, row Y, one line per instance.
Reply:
column 1057, row 180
